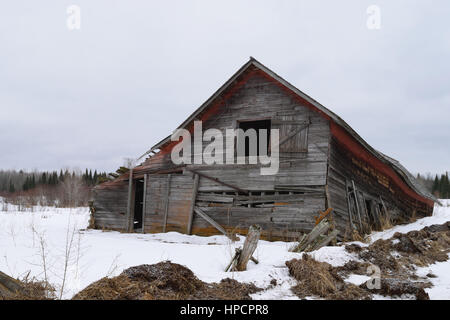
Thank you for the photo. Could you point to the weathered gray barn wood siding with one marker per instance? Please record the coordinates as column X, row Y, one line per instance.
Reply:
column 178, row 202
column 111, row 207
column 261, row 99
column 283, row 204
column 371, row 185
column 281, row 215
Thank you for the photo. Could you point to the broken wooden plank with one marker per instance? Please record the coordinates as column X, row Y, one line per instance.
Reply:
column 307, row 241
column 386, row 213
column 357, row 206
column 218, row 181
column 215, row 198
column 9, row 286
column 352, row 226
column 211, row 221
column 250, row 244
column 325, row 241
column 322, row 215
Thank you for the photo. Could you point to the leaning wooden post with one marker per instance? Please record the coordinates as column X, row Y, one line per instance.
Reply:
column 357, row 205
column 348, row 205
column 130, row 218
column 144, row 202
column 193, row 199
column 385, row 209
column 166, row 208
column 250, row 244
column 9, row 286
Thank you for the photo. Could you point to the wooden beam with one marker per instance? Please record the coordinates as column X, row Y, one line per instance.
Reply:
column 292, row 134
column 166, row 208
column 9, row 286
column 144, row 202
column 348, row 205
column 357, row 205
column 250, row 244
column 193, row 199
column 129, row 220
column 217, row 180
column 210, row 221
column 385, row 209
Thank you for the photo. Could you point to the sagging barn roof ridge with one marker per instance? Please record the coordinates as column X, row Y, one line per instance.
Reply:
column 398, row 168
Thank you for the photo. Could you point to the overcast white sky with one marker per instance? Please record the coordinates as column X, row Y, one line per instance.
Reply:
column 136, row 69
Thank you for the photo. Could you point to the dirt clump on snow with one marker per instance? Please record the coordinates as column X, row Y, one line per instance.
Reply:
column 398, row 287
column 403, row 253
column 227, row 289
column 397, row 259
column 320, row 279
column 163, row 281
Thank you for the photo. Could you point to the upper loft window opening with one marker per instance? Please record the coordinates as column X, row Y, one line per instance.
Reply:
column 256, row 125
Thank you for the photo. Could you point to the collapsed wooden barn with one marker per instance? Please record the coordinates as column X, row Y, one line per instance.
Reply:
column 323, row 163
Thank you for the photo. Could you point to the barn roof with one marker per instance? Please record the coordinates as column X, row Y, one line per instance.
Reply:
column 398, row 168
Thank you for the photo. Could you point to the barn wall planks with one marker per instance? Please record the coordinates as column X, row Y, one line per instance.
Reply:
column 371, row 185
column 180, row 194
column 111, row 207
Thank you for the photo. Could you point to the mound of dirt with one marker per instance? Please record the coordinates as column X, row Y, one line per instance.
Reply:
column 398, row 287
column 227, row 289
column 401, row 254
column 316, row 278
column 163, row 281
column 397, row 258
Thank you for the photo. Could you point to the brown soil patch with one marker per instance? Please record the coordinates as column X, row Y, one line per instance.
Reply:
column 401, row 254
column 321, row 279
column 163, row 281
column 399, row 287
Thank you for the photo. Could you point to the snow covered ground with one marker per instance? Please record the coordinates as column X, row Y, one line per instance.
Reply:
column 75, row 257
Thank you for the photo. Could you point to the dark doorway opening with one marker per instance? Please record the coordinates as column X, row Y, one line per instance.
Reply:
column 257, row 125
column 369, row 211
column 138, row 204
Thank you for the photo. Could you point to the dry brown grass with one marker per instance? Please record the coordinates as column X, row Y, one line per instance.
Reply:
column 385, row 222
column 320, row 279
column 32, row 289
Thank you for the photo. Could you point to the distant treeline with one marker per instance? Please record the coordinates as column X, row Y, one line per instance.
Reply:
column 12, row 180
column 50, row 188
column 439, row 185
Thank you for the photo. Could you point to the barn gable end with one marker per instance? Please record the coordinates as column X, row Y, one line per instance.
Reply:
column 319, row 169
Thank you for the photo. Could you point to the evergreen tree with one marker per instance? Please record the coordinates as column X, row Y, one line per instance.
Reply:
column 446, row 188
column 435, row 187
column 43, row 179
column 26, row 184
column 12, row 189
